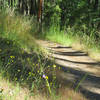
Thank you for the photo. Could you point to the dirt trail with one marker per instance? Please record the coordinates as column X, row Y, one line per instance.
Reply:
column 76, row 65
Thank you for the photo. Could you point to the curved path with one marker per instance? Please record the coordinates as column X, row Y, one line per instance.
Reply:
column 77, row 67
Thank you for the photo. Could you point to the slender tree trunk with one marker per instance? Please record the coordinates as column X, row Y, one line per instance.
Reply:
column 40, row 2
column 40, row 10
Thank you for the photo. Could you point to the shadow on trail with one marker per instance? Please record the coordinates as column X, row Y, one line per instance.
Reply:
column 72, row 53
column 59, row 47
column 90, row 86
column 80, row 74
column 75, row 53
column 75, row 77
column 76, row 62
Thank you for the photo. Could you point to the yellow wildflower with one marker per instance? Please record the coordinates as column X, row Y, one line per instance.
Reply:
column 8, row 63
column 54, row 66
column 48, row 65
column 12, row 57
column 36, row 64
column 29, row 73
column 46, row 77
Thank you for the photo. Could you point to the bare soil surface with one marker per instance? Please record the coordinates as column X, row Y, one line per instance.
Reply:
column 77, row 67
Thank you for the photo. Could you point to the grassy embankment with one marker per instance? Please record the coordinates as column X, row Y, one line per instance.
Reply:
column 78, row 39
column 23, row 67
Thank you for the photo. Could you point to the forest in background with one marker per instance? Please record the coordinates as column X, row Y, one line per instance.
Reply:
column 76, row 18
column 63, row 12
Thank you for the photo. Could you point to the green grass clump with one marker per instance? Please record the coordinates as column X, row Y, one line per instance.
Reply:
column 16, row 28
column 87, row 41
column 56, row 35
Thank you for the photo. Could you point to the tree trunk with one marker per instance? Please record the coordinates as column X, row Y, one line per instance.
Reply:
column 40, row 10
column 40, row 13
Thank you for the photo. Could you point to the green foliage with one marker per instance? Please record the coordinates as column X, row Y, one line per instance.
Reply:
column 61, row 12
column 20, row 60
column 88, row 39
column 72, row 12
column 52, row 13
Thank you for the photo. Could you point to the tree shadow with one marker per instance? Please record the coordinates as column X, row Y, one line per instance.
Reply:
column 76, row 62
column 73, row 53
column 75, row 78
column 59, row 47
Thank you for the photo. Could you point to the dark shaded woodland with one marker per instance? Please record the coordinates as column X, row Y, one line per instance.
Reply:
column 84, row 15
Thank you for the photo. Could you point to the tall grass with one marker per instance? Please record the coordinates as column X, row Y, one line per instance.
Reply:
column 23, row 62
column 56, row 35
column 20, row 58
column 16, row 28
column 86, row 39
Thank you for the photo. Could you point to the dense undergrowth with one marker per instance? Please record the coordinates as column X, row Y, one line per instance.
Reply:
column 21, row 60
column 77, row 38
column 28, row 72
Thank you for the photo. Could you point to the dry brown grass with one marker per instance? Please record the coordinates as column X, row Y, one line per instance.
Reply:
column 13, row 91
column 69, row 94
